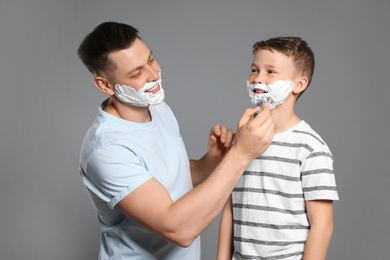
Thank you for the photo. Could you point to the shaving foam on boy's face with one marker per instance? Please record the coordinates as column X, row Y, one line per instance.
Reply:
column 270, row 95
column 150, row 94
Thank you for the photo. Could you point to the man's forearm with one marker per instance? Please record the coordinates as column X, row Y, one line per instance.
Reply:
column 202, row 168
column 197, row 209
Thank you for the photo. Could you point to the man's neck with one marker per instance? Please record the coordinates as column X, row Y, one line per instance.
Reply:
column 127, row 112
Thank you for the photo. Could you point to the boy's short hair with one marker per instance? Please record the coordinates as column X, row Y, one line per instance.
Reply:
column 295, row 48
column 104, row 39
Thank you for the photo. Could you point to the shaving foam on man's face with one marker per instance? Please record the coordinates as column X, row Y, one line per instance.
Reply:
column 270, row 95
column 150, row 94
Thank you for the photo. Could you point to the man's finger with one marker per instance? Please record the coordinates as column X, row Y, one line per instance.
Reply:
column 248, row 114
column 262, row 117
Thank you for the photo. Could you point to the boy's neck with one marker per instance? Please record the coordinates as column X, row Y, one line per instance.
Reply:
column 284, row 118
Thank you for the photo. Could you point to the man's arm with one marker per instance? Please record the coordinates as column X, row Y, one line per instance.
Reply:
column 183, row 220
column 320, row 214
column 225, row 238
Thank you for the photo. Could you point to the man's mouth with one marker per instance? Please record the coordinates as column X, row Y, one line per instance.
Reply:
column 154, row 89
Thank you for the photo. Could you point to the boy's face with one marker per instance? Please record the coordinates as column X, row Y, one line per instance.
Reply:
column 268, row 67
column 271, row 80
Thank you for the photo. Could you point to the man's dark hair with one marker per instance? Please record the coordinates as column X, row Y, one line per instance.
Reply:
column 104, row 39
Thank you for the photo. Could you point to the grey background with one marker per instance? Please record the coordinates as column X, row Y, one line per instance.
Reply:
column 47, row 102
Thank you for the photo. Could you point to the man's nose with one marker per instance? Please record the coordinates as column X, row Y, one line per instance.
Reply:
column 154, row 73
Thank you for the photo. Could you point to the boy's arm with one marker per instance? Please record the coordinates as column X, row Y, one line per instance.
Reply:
column 320, row 214
column 225, row 239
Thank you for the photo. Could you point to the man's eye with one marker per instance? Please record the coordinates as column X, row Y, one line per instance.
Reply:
column 134, row 76
column 151, row 60
column 253, row 71
column 271, row 71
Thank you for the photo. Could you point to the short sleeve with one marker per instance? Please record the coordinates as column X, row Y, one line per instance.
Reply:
column 318, row 179
column 114, row 172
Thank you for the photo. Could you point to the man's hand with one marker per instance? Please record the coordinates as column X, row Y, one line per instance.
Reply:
column 220, row 140
column 254, row 134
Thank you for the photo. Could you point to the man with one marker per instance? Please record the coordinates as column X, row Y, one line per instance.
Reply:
column 133, row 161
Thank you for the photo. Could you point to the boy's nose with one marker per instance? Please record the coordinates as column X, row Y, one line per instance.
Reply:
column 259, row 79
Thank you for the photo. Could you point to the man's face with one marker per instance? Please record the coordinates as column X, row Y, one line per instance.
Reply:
column 135, row 66
column 268, row 67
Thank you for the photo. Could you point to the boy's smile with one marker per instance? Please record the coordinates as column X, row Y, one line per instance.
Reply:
column 259, row 91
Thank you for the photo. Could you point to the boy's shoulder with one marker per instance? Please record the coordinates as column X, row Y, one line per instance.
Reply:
column 306, row 134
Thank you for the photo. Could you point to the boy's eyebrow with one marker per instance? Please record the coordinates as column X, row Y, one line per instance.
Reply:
column 139, row 67
column 266, row 65
column 270, row 66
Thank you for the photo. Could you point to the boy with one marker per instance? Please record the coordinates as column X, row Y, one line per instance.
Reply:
column 282, row 208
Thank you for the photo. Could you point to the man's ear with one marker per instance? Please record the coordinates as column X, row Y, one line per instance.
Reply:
column 103, row 85
column 300, row 85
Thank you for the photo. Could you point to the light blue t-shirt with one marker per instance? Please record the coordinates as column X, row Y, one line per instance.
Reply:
column 117, row 156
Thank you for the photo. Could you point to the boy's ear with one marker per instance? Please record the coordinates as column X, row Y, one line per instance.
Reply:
column 300, row 85
column 103, row 85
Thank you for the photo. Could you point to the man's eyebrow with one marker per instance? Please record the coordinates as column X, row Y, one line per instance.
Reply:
column 130, row 72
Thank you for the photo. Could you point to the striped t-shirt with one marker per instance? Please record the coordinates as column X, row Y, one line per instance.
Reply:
column 269, row 214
